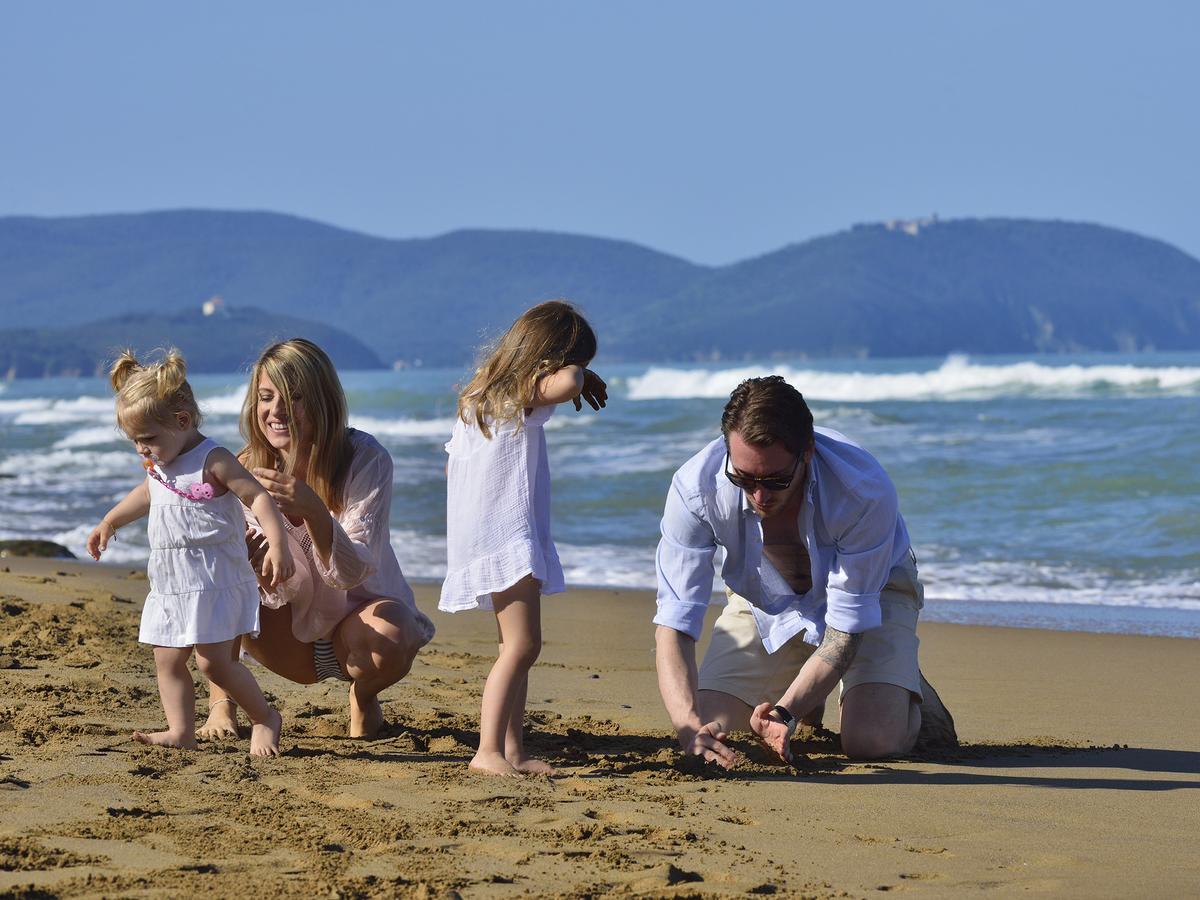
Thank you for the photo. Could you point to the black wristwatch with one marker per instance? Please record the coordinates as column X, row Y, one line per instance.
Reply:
column 784, row 715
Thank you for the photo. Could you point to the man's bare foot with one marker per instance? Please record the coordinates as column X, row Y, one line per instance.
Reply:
column 492, row 764
column 222, row 722
column 527, row 765
column 264, row 737
column 366, row 716
column 165, row 739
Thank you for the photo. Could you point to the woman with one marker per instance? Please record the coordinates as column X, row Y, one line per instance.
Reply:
column 347, row 613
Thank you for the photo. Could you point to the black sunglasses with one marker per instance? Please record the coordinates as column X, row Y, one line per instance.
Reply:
column 770, row 483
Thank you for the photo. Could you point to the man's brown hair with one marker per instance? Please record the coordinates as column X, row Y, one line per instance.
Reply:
column 766, row 410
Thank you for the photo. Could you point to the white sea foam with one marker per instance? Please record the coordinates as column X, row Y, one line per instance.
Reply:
column 38, row 411
column 130, row 546
column 1031, row 582
column 78, row 464
column 228, row 404
column 91, row 437
column 956, row 379
column 404, row 428
column 29, row 404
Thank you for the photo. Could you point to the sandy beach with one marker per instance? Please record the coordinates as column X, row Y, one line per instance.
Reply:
column 1078, row 777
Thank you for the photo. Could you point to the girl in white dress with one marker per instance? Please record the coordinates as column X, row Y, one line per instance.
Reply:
column 203, row 592
column 499, row 552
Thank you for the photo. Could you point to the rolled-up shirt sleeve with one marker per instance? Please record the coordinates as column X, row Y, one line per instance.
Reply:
column 360, row 531
column 864, row 563
column 684, row 565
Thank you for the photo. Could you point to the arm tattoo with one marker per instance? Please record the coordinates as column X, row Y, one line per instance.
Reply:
column 838, row 649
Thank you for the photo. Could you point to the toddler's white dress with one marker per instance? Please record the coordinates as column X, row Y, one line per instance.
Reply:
column 202, row 588
column 498, row 512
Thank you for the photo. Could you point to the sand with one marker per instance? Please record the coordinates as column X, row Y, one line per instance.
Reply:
column 1079, row 775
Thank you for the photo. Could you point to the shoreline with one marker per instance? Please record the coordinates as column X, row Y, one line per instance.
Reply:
column 1078, row 774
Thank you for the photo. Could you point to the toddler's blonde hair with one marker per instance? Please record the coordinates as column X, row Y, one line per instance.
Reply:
column 154, row 392
column 544, row 339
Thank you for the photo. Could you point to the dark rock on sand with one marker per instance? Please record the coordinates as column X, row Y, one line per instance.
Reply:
column 44, row 549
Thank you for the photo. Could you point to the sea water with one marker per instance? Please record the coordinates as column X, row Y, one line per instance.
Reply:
column 1039, row 491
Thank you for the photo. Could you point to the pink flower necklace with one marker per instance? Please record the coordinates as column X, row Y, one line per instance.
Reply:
column 199, row 491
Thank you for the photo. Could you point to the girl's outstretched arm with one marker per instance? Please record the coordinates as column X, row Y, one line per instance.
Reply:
column 570, row 383
column 224, row 468
column 135, row 505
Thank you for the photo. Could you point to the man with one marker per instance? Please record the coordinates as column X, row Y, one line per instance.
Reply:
column 822, row 587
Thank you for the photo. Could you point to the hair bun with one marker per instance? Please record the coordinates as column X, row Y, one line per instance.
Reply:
column 123, row 369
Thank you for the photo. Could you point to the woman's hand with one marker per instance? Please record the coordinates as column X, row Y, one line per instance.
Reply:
column 294, row 497
column 594, row 391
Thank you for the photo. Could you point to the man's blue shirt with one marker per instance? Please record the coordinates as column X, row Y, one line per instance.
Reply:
column 850, row 523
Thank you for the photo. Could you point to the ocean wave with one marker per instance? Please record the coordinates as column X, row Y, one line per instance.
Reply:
column 227, row 404
column 404, row 428
column 955, row 379
column 42, row 411
column 130, row 547
column 1032, row 582
column 91, row 437
column 80, row 464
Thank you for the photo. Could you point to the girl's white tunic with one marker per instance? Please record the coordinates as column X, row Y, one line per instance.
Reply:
column 202, row 589
column 498, row 512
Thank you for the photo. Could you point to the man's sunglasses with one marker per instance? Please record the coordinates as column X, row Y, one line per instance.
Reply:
column 770, row 483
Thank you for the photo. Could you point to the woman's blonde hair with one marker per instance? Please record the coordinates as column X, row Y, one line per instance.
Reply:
column 301, row 371
column 544, row 339
column 154, row 392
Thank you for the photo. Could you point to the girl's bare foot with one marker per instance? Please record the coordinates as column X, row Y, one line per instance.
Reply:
column 527, row 765
column 264, row 737
column 165, row 739
column 492, row 764
column 222, row 722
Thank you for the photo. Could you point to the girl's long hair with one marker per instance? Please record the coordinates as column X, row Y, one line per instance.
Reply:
column 544, row 339
column 152, row 392
column 301, row 371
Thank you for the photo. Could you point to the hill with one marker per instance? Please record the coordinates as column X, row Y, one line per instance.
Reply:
column 227, row 341
column 901, row 288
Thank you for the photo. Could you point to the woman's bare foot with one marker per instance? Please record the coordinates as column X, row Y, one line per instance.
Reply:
column 492, row 764
column 222, row 722
column 264, row 737
column 527, row 765
column 165, row 739
column 366, row 716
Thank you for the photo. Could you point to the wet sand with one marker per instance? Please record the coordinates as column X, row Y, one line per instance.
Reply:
column 1079, row 775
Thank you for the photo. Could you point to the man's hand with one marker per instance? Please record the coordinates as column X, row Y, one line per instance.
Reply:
column 595, row 392
column 294, row 497
column 709, row 744
column 773, row 734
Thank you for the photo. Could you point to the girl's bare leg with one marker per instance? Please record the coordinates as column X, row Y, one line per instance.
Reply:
column 222, row 718
column 514, row 738
column 223, row 670
column 178, row 696
column 518, row 617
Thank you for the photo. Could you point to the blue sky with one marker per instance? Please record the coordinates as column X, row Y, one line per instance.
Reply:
column 712, row 131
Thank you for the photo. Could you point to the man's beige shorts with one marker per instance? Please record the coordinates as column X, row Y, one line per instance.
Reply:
column 737, row 663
